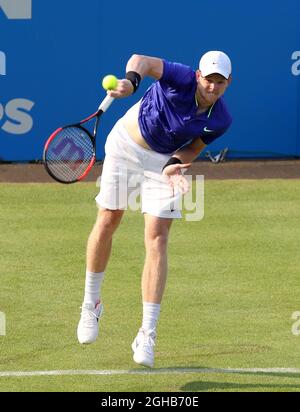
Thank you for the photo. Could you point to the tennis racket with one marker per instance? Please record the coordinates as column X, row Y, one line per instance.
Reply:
column 70, row 151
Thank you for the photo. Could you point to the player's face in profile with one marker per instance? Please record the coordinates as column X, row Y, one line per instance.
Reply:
column 211, row 87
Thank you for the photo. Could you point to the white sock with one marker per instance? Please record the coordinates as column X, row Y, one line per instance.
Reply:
column 150, row 315
column 93, row 282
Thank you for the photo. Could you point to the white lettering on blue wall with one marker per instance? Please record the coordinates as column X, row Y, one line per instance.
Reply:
column 16, row 116
column 2, row 64
column 17, row 9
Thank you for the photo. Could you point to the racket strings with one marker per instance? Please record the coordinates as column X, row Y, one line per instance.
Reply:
column 70, row 153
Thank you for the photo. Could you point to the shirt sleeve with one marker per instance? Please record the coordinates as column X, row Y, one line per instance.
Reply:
column 176, row 75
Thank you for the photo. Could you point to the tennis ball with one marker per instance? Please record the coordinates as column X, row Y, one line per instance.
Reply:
column 109, row 82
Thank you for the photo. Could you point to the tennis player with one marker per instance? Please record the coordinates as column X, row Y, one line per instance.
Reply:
column 155, row 141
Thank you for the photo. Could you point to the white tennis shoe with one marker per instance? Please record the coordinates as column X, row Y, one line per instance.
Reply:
column 88, row 327
column 143, row 347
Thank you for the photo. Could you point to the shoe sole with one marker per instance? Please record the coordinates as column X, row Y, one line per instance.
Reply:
column 86, row 342
column 142, row 362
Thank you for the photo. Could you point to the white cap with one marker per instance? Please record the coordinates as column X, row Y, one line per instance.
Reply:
column 215, row 62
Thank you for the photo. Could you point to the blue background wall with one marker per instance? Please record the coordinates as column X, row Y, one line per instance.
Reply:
column 55, row 61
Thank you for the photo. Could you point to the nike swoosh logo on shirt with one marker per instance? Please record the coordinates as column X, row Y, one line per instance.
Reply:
column 208, row 130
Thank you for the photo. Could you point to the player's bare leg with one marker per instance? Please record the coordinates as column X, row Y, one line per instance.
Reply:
column 153, row 286
column 156, row 262
column 100, row 239
column 98, row 253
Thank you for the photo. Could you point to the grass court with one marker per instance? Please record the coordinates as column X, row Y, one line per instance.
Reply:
column 233, row 286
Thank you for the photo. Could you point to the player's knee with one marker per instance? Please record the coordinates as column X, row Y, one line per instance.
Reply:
column 108, row 220
column 157, row 241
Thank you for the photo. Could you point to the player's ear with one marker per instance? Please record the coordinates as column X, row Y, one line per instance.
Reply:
column 198, row 74
column 229, row 80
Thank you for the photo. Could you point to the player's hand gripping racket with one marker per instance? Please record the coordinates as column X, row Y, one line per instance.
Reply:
column 70, row 152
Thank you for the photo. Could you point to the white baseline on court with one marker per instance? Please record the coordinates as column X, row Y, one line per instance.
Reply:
column 166, row 371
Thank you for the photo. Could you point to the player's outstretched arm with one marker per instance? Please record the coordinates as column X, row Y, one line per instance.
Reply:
column 145, row 66
column 138, row 67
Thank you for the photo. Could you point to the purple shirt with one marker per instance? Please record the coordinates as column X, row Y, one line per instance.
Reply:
column 168, row 116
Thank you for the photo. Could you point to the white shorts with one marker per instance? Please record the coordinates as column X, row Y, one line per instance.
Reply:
column 132, row 178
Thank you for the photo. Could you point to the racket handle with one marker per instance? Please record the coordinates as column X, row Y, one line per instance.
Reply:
column 104, row 105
